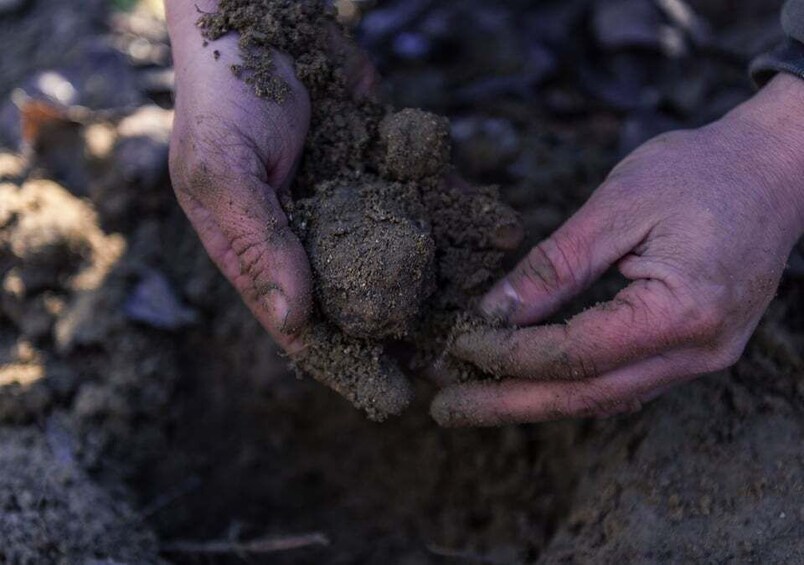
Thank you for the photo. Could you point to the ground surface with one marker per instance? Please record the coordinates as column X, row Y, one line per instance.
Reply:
column 145, row 415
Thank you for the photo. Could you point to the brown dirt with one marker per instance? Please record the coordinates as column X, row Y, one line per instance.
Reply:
column 373, row 260
column 54, row 513
column 397, row 252
column 216, row 442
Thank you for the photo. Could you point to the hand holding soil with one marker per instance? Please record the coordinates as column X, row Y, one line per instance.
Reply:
column 701, row 221
column 233, row 156
column 396, row 252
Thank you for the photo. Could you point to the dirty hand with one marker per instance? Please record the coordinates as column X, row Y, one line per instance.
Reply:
column 232, row 160
column 701, row 221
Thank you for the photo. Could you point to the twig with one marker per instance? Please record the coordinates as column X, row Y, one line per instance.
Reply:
column 263, row 545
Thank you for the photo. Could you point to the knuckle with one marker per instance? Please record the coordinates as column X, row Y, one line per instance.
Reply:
column 254, row 264
column 550, row 266
column 640, row 308
column 599, row 401
column 200, row 163
column 590, row 405
column 723, row 357
column 705, row 322
column 643, row 311
column 254, row 250
column 579, row 368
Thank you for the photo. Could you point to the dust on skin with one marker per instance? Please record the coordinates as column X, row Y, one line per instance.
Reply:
column 388, row 168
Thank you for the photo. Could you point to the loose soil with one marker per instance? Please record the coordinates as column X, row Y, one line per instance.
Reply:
column 143, row 411
column 398, row 253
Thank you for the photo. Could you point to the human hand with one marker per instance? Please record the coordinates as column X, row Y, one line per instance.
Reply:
column 701, row 221
column 232, row 159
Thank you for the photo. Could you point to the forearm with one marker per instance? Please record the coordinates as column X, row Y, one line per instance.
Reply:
column 780, row 104
column 774, row 143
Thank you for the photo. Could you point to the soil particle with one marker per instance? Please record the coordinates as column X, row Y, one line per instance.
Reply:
column 396, row 251
column 416, row 144
column 53, row 513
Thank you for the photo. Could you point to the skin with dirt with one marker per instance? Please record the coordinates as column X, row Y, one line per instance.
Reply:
column 397, row 252
column 201, row 429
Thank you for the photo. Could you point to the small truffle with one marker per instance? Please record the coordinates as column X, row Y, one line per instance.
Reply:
column 417, row 145
column 373, row 265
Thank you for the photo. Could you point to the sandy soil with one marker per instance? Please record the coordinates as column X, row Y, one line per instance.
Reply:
column 142, row 408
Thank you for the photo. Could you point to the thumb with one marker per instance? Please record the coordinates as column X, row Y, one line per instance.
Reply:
column 561, row 266
column 246, row 233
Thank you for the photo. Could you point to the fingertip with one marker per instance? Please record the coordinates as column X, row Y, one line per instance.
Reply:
column 446, row 412
column 462, row 345
column 293, row 345
column 466, row 406
column 508, row 236
column 501, row 303
column 492, row 351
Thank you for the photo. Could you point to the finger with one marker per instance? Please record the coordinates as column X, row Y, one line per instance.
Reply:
column 438, row 374
column 225, row 173
column 511, row 402
column 562, row 266
column 245, row 232
column 643, row 320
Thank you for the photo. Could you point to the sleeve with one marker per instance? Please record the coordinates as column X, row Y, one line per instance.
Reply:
column 789, row 56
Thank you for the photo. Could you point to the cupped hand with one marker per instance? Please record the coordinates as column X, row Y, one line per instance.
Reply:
column 702, row 222
column 232, row 159
column 233, row 156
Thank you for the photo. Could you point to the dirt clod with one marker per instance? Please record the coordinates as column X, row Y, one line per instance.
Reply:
column 416, row 144
column 374, row 265
column 396, row 251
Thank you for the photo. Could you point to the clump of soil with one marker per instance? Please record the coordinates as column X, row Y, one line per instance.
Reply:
column 397, row 252
column 375, row 263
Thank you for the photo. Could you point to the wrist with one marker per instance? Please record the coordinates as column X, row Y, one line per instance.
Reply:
column 770, row 130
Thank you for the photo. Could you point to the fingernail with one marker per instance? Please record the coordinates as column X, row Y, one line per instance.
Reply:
column 499, row 305
column 508, row 237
